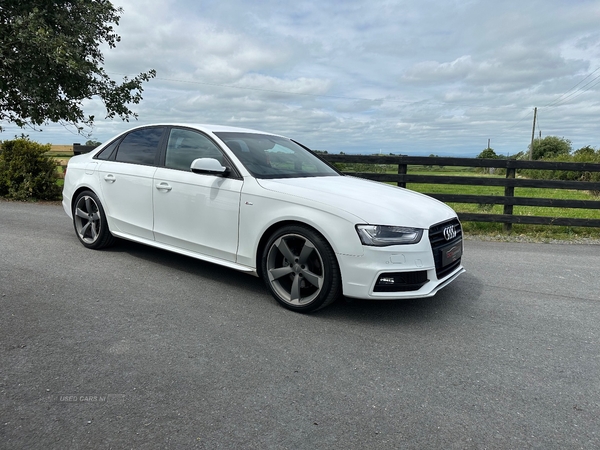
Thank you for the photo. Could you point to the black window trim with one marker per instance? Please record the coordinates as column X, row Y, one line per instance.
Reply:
column 162, row 153
column 113, row 152
column 113, row 155
column 160, row 156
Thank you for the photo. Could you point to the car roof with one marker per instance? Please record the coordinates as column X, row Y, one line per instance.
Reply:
column 210, row 128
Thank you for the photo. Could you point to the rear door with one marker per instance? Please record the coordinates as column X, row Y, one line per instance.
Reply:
column 126, row 181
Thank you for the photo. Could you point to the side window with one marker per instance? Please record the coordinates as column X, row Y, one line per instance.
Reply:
column 140, row 146
column 108, row 151
column 185, row 146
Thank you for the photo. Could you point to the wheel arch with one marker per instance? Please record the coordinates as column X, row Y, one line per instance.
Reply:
column 78, row 191
column 272, row 229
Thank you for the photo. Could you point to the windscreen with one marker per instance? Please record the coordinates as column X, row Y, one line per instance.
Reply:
column 275, row 157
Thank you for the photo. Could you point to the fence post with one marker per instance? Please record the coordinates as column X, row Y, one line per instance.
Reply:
column 509, row 191
column 402, row 169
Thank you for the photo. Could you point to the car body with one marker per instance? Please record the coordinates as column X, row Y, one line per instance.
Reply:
column 263, row 204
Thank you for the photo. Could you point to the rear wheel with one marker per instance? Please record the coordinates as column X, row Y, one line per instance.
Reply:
column 300, row 269
column 90, row 223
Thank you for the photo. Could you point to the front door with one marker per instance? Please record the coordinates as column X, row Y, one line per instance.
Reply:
column 196, row 212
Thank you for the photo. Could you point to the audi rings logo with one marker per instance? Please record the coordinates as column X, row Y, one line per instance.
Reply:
column 449, row 232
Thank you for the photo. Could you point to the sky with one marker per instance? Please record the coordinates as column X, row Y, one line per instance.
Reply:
column 414, row 77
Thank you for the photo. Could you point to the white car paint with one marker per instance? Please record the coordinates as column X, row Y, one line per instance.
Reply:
column 372, row 202
column 180, row 217
column 223, row 220
column 126, row 191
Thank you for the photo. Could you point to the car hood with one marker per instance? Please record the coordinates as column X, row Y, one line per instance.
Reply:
column 370, row 201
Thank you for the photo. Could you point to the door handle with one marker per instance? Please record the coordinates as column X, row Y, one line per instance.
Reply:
column 110, row 178
column 163, row 186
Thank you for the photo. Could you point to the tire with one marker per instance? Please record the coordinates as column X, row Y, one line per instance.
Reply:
column 300, row 269
column 90, row 222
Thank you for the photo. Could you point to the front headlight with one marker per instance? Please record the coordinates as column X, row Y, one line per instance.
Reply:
column 382, row 235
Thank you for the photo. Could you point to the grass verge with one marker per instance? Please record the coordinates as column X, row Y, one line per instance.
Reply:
column 537, row 232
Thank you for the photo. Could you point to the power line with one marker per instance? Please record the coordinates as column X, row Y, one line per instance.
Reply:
column 561, row 99
column 564, row 96
column 585, row 90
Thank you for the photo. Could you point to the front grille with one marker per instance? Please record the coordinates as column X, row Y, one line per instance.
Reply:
column 439, row 242
column 401, row 281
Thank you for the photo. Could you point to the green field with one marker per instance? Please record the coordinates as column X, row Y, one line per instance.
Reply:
column 542, row 231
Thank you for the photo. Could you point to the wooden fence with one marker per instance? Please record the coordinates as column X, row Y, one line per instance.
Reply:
column 66, row 151
column 80, row 149
column 510, row 182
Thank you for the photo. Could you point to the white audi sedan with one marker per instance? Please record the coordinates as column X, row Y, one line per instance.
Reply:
column 265, row 205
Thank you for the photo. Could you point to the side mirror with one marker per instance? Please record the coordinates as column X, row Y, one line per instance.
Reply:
column 209, row 166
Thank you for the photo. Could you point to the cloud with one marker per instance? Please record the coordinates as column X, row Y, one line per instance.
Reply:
column 435, row 72
column 412, row 76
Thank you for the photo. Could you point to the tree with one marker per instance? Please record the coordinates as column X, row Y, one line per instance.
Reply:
column 550, row 147
column 488, row 153
column 94, row 143
column 50, row 61
column 586, row 151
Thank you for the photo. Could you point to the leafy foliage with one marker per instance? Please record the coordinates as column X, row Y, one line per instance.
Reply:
column 27, row 172
column 550, row 147
column 488, row 153
column 586, row 152
column 583, row 155
column 50, row 61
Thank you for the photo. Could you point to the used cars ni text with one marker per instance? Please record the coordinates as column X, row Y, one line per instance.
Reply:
column 265, row 205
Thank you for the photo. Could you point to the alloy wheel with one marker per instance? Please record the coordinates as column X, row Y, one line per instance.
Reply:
column 87, row 219
column 295, row 269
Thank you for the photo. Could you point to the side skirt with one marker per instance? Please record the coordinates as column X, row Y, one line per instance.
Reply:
column 181, row 251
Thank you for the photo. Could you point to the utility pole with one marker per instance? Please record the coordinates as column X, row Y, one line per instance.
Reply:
column 488, row 143
column 532, row 133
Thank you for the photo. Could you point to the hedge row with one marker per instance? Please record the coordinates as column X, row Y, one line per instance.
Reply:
column 585, row 155
column 27, row 172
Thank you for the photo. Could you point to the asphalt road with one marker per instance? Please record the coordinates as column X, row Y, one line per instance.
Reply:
column 139, row 348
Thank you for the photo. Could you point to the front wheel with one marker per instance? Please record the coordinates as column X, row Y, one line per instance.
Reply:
column 300, row 269
column 90, row 223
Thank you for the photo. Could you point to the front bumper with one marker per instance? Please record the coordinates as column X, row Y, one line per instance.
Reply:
column 397, row 272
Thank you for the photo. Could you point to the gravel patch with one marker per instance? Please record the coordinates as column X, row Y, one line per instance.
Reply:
column 524, row 238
